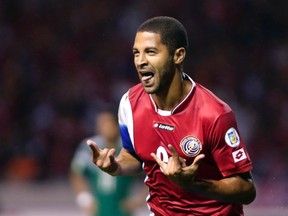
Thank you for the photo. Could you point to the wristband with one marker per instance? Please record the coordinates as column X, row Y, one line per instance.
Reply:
column 84, row 199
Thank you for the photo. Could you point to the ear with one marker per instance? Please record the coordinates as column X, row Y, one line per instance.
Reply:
column 179, row 55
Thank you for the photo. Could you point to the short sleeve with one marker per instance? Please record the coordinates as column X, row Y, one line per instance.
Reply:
column 125, row 118
column 227, row 147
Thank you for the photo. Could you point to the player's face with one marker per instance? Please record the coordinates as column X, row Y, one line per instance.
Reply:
column 107, row 126
column 153, row 62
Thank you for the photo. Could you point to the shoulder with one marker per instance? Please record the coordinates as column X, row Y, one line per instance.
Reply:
column 210, row 104
column 132, row 98
column 136, row 92
column 125, row 106
column 132, row 93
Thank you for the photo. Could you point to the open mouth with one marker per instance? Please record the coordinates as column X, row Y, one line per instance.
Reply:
column 146, row 76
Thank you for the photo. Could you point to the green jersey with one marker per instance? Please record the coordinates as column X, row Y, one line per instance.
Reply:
column 109, row 191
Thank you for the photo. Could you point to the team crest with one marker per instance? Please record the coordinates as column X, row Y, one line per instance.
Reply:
column 232, row 138
column 191, row 146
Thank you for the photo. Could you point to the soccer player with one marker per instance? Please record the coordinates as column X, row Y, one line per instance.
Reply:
column 184, row 137
column 98, row 193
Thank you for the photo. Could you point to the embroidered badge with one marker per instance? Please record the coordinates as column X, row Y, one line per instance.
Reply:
column 232, row 138
column 191, row 146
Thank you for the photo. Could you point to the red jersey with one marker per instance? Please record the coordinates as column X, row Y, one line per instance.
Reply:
column 201, row 123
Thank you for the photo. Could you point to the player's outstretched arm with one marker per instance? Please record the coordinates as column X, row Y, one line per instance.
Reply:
column 129, row 164
column 238, row 189
column 123, row 164
column 234, row 189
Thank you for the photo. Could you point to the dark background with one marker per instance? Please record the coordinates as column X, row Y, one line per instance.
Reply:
column 61, row 61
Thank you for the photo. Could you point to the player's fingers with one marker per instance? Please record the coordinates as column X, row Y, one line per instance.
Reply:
column 158, row 160
column 173, row 151
column 95, row 149
column 182, row 161
column 111, row 155
column 111, row 151
column 198, row 160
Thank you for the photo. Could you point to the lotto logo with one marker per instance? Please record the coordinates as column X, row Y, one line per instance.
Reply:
column 164, row 126
column 239, row 155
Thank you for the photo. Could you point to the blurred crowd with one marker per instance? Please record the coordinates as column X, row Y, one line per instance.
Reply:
column 61, row 61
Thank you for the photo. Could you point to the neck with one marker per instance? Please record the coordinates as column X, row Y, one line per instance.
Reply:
column 177, row 91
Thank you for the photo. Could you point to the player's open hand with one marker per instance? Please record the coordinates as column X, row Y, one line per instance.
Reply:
column 176, row 168
column 103, row 158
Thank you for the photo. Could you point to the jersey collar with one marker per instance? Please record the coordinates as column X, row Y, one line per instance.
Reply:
column 181, row 105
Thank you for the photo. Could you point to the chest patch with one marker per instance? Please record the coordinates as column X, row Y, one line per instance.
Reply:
column 191, row 146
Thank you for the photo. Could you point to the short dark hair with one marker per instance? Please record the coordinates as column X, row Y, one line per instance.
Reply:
column 172, row 32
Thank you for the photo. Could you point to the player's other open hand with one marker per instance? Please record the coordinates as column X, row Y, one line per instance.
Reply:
column 103, row 158
column 176, row 168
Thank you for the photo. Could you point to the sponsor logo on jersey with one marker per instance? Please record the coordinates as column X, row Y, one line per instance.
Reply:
column 232, row 138
column 239, row 155
column 164, row 126
column 191, row 146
